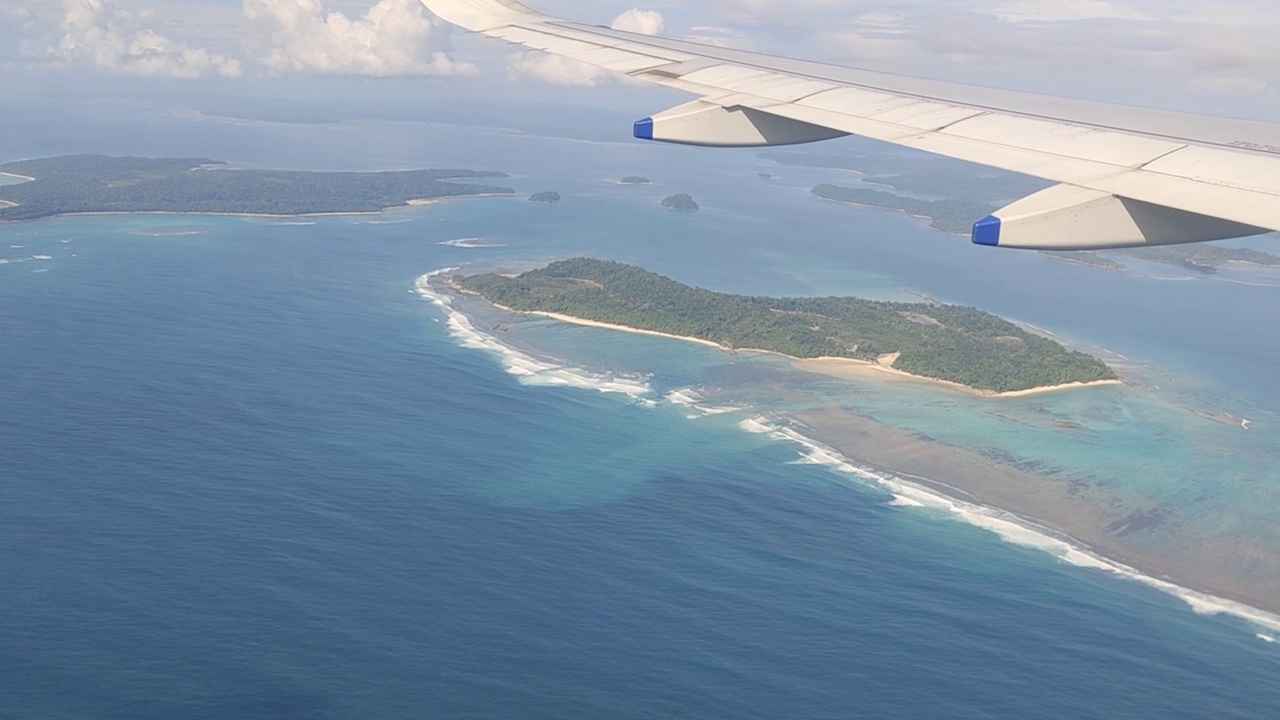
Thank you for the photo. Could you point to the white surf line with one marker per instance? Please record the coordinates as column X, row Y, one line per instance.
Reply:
column 473, row 242
column 692, row 399
column 1007, row 526
column 529, row 370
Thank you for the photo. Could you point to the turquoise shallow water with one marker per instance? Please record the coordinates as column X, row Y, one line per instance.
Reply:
column 250, row 472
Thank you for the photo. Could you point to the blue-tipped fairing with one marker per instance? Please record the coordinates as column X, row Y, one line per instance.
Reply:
column 987, row 231
column 644, row 129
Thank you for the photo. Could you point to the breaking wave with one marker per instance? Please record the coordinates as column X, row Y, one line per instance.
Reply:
column 530, row 370
column 693, row 400
column 1007, row 526
column 472, row 243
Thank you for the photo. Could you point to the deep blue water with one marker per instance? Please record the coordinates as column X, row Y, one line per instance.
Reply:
column 249, row 474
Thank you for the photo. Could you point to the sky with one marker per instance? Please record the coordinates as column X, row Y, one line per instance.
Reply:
column 1214, row 58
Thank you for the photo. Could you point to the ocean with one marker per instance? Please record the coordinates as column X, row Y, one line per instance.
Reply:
column 251, row 471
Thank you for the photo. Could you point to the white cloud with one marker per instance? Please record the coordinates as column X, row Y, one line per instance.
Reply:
column 645, row 22
column 96, row 34
column 559, row 70
column 394, row 38
column 1066, row 11
column 554, row 69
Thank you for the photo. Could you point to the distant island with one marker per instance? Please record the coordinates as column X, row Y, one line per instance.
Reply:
column 1202, row 255
column 950, row 216
column 634, row 180
column 680, row 202
column 1203, row 258
column 958, row 345
column 764, row 176
column 549, row 197
column 1087, row 258
column 97, row 183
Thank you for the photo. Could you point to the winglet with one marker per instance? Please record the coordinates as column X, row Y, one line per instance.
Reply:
column 987, row 231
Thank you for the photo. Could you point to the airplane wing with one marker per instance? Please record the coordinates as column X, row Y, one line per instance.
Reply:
column 1127, row 176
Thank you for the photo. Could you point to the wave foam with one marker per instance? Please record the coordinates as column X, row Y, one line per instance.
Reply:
column 691, row 398
column 473, row 242
column 530, row 370
column 1007, row 526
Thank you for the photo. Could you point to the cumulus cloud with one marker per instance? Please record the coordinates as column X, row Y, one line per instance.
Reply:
column 645, row 22
column 394, row 38
column 97, row 34
column 559, row 70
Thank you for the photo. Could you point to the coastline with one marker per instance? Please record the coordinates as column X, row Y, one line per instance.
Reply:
column 1077, row 520
column 925, row 218
column 24, row 178
column 277, row 216
column 423, row 202
column 842, row 368
column 853, row 369
column 1081, row 523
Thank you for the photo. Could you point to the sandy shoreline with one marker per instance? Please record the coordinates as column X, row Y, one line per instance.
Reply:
column 422, row 202
column 276, row 216
column 25, row 178
column 851, row 369
column 844, row 368
column 1079, row 519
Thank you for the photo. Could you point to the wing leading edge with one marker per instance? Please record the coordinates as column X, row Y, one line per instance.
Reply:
column 1129, row 176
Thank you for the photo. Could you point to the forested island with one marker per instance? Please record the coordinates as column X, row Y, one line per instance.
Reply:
column 680, row 202
column 548, row 197
column 963, row 345
column 634, row 180
column 97, row 183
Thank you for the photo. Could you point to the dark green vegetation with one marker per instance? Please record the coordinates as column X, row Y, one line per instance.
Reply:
column 953, row 216
column 681, row 202
column 634, row 180
column 947, row 342
column 95, row 183
column 547, row 196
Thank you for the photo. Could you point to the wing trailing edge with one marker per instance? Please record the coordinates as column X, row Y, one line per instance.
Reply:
column 1128, row 176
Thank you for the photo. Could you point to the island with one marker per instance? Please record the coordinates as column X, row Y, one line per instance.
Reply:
column 1087, row 258
column 764, row 176
column 962, row 346
column 680, row 202
column 547, row 197
column 950, row 216
column 1202, row 257
column 98, row 184
column 634, row 180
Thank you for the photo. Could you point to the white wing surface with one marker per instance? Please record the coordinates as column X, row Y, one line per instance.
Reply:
column 1129, row 176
